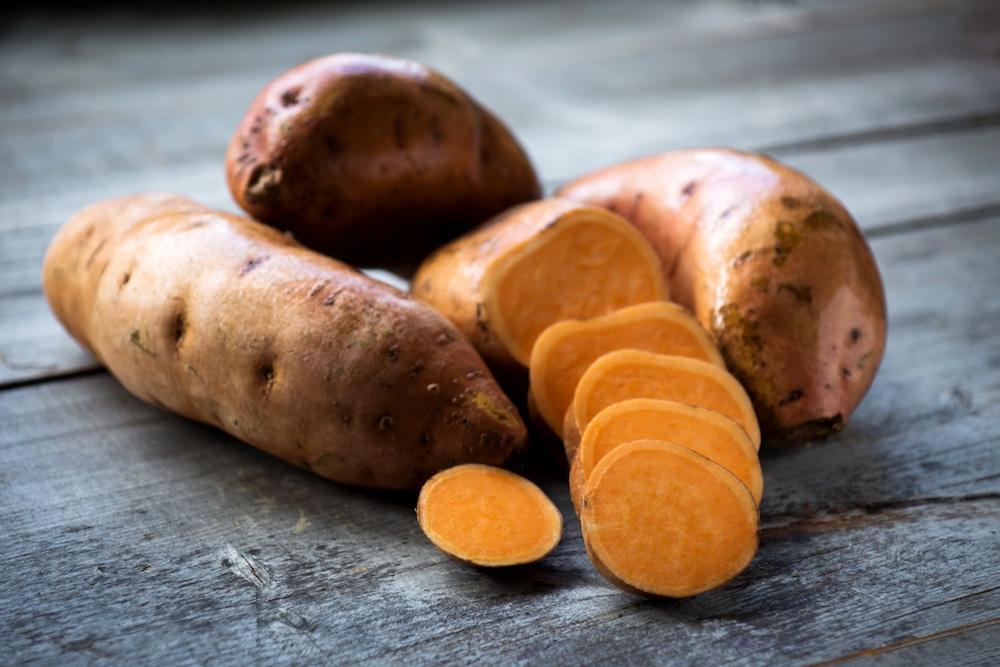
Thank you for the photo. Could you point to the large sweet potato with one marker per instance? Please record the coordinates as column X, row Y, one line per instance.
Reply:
column 772, row 265
column 373, row 159
column 229, row 322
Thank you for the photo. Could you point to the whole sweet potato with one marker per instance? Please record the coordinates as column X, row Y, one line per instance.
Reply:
column 231, row 323
column 772, row 265
column 373, row 159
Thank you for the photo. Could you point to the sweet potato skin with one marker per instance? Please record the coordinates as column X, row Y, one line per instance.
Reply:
column 229, row 322
column 772, row 265
column 373, row 159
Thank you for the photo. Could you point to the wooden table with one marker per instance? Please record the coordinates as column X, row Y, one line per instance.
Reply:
column 132, row 536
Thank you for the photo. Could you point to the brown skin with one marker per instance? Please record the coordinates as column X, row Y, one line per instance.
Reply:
column 772, row 265
column 229, row 322
column 373, row 159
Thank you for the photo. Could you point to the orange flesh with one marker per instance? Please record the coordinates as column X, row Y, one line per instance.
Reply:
column 488, row 516
column 565, row 350
column 663, row 520
column 706, row 432
column 582, row 266
column 625, row 374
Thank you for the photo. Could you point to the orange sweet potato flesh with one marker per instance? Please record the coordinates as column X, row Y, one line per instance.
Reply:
column 662, row 520
column 565, row 350
column 230, row 322
column 537, row 264
column 627, row 374
column 488, row 516
column 374, row 159
column 704, row 431
column 772, row 265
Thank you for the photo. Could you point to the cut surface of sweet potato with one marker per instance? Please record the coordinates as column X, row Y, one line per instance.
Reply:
column 625, row 374
column 564, row 351
column 660, row 519
column 587, row 264
column 714, row 436
column 488, row 516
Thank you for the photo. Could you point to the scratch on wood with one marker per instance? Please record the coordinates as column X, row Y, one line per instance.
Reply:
column 245, row 566
column 904, row 643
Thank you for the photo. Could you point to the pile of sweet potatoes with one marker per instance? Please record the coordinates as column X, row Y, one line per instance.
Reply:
column 776, row 326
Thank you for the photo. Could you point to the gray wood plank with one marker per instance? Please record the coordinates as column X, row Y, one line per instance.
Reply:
column 636, row 80
column 130, row 534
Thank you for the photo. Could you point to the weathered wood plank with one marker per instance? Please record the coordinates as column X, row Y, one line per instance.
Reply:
column 133, row 534
column 675, row 73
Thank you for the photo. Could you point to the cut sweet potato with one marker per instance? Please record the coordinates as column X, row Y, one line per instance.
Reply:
column 565, row 350
column 625, row 374
column 488, row 516
column 704, row 431
column 535, row 265
column 660, row 519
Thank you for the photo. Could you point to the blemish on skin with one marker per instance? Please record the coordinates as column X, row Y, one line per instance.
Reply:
column 264, row 184
column 761, row 283
column 688, row 189
column 790, row 202
column 792, row 396
column 855, row 335
column 434, row 388
column 252, row 263
column 846, row 372
column 127, row 276
column 291, row 96
column 437, row 134
column 636, row 203
column 385, row 422
column 179, row 328
column 801, row 293
column 445, row 338
column 392, row 353
column 136, row 339
column 818, row 220
column 787, row 238
column 863, row 361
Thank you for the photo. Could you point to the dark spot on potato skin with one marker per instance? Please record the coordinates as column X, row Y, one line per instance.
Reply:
column 636, row 203
column 725, row 214
column 267, row 375
column 791, row 397
column 346, row 418
column 252, row 263
column 127, row 276
column 787, row 238
column 855, row 335
column 846, row 372
column 688, row 189
column 385, row 423
column 819, row 220
column 291, row 96
column 392, row 353
column 179, row 328
column 790, row 202
column 761, row 283
column 437, row 133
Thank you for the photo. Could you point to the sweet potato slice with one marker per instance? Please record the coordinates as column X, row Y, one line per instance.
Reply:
column 660, row 519
column 488, row 516
column 714, row 436
column 535, row 265
column 565, row 350
column 625, row 374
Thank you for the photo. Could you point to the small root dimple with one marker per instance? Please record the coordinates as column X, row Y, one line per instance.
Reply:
column 126, row 277
column 291, row 96
column 179, row 328
column 266, row 374
column 385, row 423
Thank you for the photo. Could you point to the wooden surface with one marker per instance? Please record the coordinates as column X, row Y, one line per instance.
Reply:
column 131, row 536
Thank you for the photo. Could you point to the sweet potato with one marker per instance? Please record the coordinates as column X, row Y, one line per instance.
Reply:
column 566, row 349
column 539, row 263
column 374, row 159
column 772, row 265
column 660, row 519
column 625, row 374
column 229, row 322
column 704, row 431
column 488, row 516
